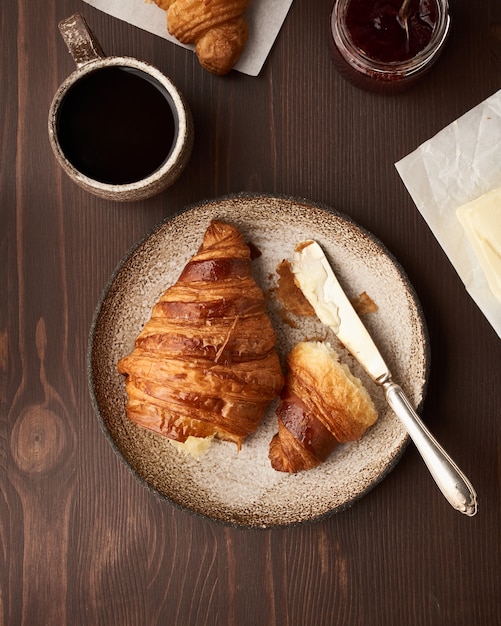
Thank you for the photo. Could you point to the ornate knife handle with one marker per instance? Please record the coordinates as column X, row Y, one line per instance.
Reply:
column 449, row 478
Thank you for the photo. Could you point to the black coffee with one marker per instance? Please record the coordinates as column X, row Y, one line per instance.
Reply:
column 116, row 125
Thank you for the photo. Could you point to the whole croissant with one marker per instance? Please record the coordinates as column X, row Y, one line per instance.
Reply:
column 205, row 363
column 322, row 404
column 218, row 28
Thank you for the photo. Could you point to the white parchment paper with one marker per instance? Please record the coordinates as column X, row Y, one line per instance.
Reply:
column 459, row 164
column 265, row 19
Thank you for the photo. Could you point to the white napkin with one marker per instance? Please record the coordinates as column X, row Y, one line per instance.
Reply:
column 265, row 19
column 459, row 164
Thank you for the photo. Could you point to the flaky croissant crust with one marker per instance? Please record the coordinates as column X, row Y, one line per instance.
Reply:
column 218, row 28
column 321, row 405
column 205, row 363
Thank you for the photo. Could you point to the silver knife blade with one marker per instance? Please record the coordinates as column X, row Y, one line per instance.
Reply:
column 320, row 286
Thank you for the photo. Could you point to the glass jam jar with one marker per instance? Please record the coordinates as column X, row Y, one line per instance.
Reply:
column 370, row 46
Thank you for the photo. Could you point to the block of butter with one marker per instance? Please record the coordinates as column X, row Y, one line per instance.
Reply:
column 481, row 220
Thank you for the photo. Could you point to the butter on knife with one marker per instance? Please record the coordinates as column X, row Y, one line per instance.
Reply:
column 481, row 220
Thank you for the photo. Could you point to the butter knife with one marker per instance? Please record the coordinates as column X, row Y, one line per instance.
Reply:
column 316, row 279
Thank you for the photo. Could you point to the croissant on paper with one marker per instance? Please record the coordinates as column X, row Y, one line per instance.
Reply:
column 322, row 404
column 205, row 364
column 218, row 28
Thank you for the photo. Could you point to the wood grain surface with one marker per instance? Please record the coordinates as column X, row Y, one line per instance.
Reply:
column 81, row 541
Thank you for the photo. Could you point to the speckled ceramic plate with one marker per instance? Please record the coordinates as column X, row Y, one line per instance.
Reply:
column 241, row 488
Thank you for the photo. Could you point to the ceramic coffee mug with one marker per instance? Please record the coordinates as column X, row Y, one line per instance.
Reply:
column 118, row 126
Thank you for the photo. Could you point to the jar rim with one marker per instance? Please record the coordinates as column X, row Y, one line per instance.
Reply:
column 361, row 61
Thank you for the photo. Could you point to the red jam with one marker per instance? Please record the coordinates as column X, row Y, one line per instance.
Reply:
column 370, row 47
column 378, row 31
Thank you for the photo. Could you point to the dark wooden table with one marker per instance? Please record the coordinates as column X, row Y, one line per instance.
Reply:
column 81, row 541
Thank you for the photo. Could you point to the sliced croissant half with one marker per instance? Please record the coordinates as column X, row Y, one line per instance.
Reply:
column 205, row 363
column 322, row 404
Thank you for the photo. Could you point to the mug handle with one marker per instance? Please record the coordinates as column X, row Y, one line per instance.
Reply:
column 80, row 41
